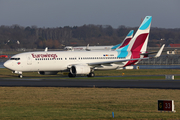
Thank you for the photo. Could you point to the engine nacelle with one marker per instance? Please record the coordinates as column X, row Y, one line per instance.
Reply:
column 80, row 69
column 48, row 72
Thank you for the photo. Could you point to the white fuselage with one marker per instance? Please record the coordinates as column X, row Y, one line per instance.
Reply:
column 91, row 48
column 61, row 60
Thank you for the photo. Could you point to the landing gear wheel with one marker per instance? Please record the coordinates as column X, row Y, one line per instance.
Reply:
column 20, row 76
column 91, row 74
column 71, row 75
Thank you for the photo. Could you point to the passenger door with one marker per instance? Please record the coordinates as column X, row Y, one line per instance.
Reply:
column 29, row 60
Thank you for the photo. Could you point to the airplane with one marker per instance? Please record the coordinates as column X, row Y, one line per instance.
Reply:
column 109, row 48
column 87, row 48
column 84, row 62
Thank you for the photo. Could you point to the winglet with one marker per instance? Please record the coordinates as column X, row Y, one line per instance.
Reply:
column 160, row 51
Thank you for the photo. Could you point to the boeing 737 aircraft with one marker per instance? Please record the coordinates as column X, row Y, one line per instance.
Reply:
column 84, row 62
column 88, row 48
column 109, row 48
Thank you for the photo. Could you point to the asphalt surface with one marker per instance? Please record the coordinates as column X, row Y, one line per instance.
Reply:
column 64, row 82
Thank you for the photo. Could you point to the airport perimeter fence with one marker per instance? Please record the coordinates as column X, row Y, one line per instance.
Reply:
column 163, row 60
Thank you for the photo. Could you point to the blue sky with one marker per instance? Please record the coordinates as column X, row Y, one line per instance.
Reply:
column 60, row 13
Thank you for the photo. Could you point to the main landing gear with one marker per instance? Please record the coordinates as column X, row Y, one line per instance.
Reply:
column 71, row 75
column 91, row 74
column 20, row 76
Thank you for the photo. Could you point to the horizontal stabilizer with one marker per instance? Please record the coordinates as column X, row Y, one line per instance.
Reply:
column 148, row 53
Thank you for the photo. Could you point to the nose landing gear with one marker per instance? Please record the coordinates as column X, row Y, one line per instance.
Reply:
column 18, row 72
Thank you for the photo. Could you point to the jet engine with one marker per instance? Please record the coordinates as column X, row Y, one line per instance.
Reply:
column 48, row 72
column 80, row 69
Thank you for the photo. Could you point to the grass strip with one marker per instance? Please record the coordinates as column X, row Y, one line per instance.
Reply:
column 84, row 103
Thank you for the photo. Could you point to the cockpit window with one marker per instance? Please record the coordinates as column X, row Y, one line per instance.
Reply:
column 14, row 58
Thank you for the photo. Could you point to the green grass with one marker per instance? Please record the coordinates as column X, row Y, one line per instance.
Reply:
column 84, row 103
column 27, row 103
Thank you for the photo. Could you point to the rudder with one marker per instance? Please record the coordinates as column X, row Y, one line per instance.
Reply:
column 127, row 39
column 140, row 39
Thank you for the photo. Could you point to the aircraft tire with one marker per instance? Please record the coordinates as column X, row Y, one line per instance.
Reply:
column 20, row 76
column 71, row 75
column 91, row 74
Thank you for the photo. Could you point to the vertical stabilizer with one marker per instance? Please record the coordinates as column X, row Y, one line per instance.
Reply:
column 127, row 39
column 138, row 44
column 140, row 39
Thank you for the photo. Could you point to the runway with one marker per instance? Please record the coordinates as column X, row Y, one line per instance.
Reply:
column 155, row 84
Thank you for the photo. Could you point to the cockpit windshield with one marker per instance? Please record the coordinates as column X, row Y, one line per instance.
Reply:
column 14, row 58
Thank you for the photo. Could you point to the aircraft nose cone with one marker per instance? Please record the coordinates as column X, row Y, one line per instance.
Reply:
column 7, row 64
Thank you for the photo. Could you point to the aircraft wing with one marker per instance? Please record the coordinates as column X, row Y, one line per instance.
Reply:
column 115, row 62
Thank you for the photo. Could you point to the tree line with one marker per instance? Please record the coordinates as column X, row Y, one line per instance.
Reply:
column 15, row 36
